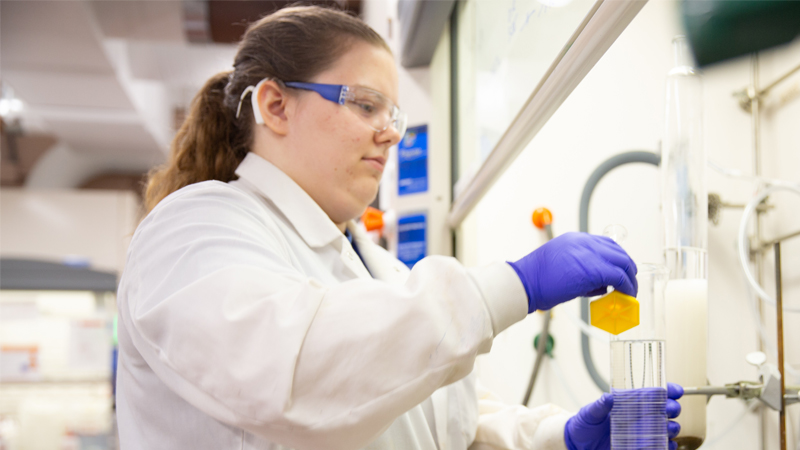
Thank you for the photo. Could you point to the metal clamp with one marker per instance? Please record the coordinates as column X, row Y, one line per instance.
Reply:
column 749, row 390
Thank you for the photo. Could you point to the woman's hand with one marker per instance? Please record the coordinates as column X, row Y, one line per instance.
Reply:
column 590, row 429
column 573, row 265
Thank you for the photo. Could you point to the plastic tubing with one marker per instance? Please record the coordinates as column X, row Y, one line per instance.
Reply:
column 594, row 333
column 744, row 247
column 608, row 165
column 751, row 297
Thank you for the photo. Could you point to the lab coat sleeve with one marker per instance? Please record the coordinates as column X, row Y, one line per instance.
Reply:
column 514, row 427
column 219, row 311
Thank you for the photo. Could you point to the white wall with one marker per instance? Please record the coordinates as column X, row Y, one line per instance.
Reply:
column 619, row 107
column 53, row 225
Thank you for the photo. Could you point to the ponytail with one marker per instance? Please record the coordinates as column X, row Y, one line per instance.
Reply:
column 209, row 145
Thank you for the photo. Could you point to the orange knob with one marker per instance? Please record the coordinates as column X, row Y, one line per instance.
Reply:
column 542, row 217
column 372, row 219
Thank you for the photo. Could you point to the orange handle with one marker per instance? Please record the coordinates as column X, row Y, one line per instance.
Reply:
column 373, row 219
column 542, row 217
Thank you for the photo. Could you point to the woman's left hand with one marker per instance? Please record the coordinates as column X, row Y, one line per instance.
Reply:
column 590, row 429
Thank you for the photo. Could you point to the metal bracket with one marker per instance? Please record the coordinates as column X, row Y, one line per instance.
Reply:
column 749, row 390
column 771, row 393
column 748, row 94
column 715, row 205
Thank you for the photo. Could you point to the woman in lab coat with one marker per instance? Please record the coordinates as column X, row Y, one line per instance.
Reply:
column 254, row 314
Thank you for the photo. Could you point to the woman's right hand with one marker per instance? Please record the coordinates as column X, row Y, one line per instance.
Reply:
column 574, row 265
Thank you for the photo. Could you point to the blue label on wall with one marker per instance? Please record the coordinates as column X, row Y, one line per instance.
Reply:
column 412, row 158
column 411, row 239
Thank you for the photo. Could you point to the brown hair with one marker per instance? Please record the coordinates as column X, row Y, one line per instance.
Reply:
column 293, row 44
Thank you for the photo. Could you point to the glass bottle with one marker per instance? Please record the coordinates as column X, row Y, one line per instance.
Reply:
column 685, row 212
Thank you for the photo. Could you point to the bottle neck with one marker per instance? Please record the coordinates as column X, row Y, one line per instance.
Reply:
column 681, row 54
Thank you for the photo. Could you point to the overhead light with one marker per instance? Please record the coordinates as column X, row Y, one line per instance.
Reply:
column 10, row 106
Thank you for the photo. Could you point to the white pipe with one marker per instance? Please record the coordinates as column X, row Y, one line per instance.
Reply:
column 744, row 245
column 735, row 173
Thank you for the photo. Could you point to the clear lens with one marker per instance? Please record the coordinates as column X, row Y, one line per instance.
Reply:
column 376, row 110
column 401, row 123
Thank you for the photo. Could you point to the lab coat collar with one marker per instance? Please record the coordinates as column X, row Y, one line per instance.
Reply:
column 305, row 215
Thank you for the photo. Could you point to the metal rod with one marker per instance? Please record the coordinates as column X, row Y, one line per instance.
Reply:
column 780, row 239
column 744, row 390
column 541, row 346
column 541, row 351
column 706, row 390
column 455, row 118
column 766, row 90
column 756, row 125
column 549, row 230
column 751, row 93
column 756, row 116
column 779, row 315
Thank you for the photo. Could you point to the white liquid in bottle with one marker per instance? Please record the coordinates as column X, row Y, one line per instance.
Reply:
column 686, row 311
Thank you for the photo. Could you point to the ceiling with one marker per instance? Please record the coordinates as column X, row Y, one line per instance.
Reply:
column 107, row 80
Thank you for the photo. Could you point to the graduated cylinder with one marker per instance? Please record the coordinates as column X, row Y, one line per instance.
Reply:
column 685, row 209
column 638, row 378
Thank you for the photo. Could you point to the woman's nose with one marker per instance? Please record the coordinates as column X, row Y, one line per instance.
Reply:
column 390, row 135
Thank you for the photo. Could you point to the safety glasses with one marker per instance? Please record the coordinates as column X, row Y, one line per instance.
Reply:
column 372, row 107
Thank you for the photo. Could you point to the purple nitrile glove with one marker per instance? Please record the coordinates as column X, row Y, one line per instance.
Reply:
column 574, row 265
column 590, row 428
column 674, row 392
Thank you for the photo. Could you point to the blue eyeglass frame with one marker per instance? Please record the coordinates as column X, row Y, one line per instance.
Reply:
column 337, row 93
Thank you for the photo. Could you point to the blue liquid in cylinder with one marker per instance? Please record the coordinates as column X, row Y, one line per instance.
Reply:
column 639, row 417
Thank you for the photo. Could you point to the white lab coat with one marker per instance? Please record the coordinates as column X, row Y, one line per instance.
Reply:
column 247, row 320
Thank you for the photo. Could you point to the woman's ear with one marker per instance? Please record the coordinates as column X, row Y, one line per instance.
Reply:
column 272, row 104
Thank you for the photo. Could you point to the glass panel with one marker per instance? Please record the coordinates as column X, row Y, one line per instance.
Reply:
column 505, row 49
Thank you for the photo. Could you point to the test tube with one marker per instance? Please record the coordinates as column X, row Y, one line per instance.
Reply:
column 638, row 378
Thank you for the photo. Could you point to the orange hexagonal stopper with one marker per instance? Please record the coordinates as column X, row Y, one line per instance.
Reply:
column 542, row 217
column 615, row 312
column 372, row 218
